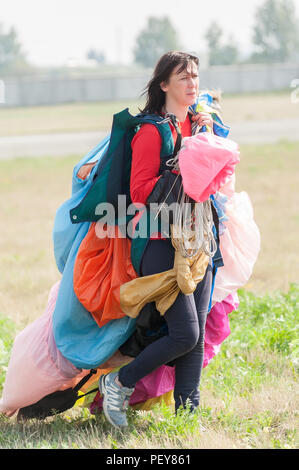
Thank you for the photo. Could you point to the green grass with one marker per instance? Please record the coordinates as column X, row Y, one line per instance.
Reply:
column 259, row 359
column 7, row 335
column 267, row 325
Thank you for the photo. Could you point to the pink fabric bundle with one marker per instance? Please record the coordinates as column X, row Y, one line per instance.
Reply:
column 239, row 245
column 217, row 326
column 36, row 367
column 206, row 161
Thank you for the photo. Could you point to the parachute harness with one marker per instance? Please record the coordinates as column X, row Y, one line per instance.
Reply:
column 192, row 231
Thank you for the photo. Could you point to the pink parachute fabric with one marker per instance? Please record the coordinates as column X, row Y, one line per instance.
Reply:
column 240, row 243
column 206, row 161
column 217, row 326
column 36, row 367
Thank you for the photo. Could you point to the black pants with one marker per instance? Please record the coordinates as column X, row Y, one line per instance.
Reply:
column 186, row 320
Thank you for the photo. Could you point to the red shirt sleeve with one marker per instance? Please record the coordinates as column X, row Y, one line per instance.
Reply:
column 146, row 147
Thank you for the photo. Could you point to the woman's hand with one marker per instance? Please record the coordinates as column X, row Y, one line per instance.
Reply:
column 85, row 170
column 203, row 119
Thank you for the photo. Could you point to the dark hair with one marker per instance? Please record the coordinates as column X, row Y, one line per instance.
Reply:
column 166, row 64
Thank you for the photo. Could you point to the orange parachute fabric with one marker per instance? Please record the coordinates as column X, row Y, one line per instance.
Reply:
column 102, row 265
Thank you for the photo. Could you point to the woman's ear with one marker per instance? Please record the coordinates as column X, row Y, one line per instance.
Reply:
column 163, row 86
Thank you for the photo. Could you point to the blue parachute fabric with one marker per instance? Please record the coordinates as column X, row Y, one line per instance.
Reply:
column 77, row 335
column 64, row 232
column 219, row 128
column 93, row 155
column 207, row 98
column 219, row 203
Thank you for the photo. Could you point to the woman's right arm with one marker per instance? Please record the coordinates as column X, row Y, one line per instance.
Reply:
column 146, row 147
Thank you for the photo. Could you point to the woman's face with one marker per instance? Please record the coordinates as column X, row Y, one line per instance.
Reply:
column 182, row 87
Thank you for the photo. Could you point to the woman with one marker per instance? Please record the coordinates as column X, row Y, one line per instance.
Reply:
column 173, row 88
column 69, row 338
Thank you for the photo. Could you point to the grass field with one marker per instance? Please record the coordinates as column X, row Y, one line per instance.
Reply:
column 249, row 392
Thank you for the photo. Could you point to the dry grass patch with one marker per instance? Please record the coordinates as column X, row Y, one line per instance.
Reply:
column 269, row 173
column 259, row 106
column 76, row 117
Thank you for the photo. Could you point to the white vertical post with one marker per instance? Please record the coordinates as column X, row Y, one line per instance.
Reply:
column 2, row 92
column 295, row 93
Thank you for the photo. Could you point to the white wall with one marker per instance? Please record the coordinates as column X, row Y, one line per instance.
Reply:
column 31, row 91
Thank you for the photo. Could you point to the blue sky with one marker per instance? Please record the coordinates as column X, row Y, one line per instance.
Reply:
column 54, row 31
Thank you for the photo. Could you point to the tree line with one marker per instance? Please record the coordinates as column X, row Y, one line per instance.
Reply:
column 275, row 38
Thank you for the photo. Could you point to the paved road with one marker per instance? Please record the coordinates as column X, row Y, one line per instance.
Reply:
column 258, row 132
column 79, row 143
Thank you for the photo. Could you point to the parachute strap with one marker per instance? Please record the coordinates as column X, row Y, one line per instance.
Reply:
column 84, row 380
column 169, row 117
column 161, row 125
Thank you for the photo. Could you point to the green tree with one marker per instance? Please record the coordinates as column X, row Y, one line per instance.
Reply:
column 158, row 37
column 220, row 54
column 11, row 55
column 276, row 32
